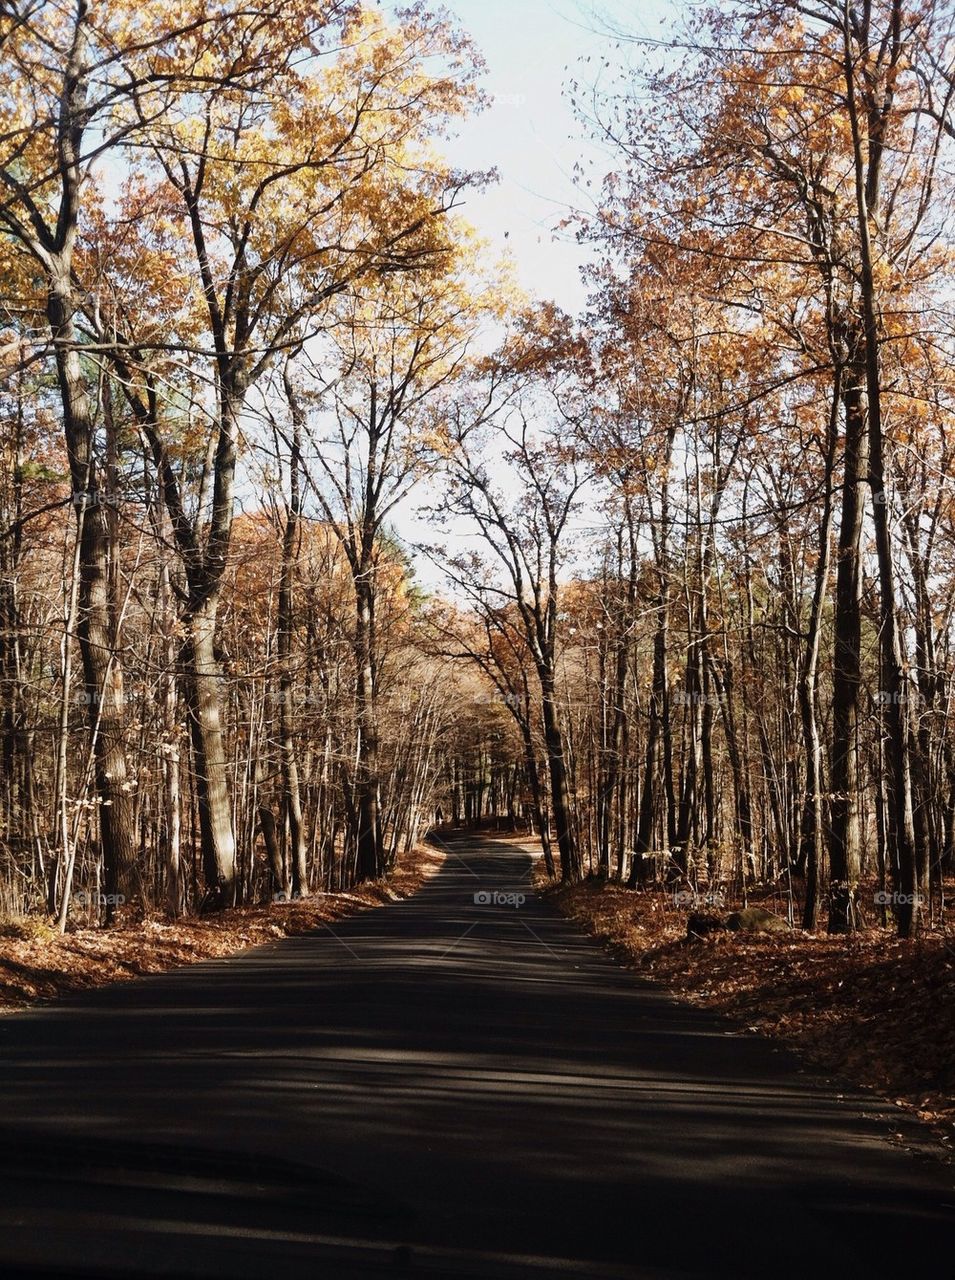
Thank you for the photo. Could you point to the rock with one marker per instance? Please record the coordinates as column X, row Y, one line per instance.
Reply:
column 756, row 920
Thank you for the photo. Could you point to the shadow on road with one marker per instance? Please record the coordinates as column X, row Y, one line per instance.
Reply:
column 457, row 1084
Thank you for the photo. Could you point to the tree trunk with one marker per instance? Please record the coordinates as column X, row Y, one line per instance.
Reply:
column 368, row 839
column 571, row 867
column 870, row 106
column 846, row 837
column 659, row 712
column 813, row 816
column 204, row 684
column 273, row 850
column 286, row 620
column 537, row 795
column 96, row 623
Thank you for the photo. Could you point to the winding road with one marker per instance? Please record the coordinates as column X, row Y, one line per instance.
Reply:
column 443, row 1086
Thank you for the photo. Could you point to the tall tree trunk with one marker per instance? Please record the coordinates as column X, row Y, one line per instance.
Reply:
column 172, row 770
column 869, row 102
column 286, row 621
column 611, row 826
column 659, row 729
column 537, row 793
column 644, row 841
column 615, row 753
column 930, row 743
column 845, row 846
column 204, row 561
column 368, row 838
column 571, row 867
column 96, row 620
column 204, row 685
column 722, row 677
column 906, row 865
column 693, row 695
column 813, row 817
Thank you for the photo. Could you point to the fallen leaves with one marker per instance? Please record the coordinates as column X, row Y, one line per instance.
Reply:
column 38, row 963
column 869, row 1006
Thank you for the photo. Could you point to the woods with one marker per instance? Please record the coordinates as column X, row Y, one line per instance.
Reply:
column 754, row 637
column 187, row 205
column 686, row 606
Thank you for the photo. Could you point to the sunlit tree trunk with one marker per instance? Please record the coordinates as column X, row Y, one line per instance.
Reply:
column 845, row 844
column 96, row 618
column 286, row 622
column 812, row 832
column 369, row 864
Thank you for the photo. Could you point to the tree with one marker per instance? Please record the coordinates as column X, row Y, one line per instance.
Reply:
column 393, row 359
column 526, row 536
column 294, row 186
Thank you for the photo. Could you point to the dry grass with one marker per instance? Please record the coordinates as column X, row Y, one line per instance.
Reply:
column 38, row 964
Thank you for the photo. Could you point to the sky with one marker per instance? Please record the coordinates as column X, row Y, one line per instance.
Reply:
column 532, row 137
column 530, row 133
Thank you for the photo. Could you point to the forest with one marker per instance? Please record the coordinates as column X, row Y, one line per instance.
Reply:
column 685, row 613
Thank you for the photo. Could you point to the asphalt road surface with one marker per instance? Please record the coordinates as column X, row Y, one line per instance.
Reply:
column 441, row 1087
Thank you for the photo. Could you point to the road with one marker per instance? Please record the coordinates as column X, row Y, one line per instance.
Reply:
column 440, row 1087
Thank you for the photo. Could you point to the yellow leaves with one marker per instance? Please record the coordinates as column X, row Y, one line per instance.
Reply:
column 206, row 65
column 310, row 179
column 22, row 290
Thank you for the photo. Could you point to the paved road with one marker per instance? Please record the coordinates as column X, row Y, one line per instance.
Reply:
column 439, row 1088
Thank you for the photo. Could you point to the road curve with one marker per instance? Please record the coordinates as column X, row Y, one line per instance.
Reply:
column 440, row 1087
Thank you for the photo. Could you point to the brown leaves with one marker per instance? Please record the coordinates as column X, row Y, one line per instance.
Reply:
column 867, row 1006
column 38, row 964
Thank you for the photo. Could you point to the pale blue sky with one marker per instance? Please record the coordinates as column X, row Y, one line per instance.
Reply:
column 530, row 134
